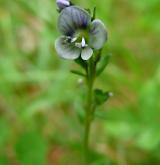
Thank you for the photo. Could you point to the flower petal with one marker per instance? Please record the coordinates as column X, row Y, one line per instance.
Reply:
column 66, row 50
column 73, row 18
column 86, row 53
column 98, row 34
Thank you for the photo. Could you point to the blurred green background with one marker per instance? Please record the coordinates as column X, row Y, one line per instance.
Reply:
column 40, row 98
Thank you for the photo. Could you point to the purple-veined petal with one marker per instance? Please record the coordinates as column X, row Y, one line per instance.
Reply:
column 98, row 34
column 66, row 49
column 73, row 18
column 86, row 53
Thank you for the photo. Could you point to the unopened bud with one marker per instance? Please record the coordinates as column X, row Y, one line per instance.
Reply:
column 80, row 81
column 110, row 94
column 62, row 4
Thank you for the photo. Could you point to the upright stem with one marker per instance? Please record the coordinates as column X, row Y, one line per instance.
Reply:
column 89, row 107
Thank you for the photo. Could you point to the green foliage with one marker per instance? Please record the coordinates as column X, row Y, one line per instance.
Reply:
column 81, row 62
column 33, row 81
column 94, row 14
column 4, row 132
column 31, row 149
column 4, row 160
column 100, row 96
column 78, row 73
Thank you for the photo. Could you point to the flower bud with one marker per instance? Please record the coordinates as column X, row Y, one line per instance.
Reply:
column 63, row 4
column 110, row 94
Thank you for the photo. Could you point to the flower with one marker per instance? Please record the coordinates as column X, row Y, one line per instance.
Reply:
column 80, row 35
column 63, row 4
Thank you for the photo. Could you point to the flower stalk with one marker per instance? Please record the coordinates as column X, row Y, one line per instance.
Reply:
column 89, row 109
column 82, row 40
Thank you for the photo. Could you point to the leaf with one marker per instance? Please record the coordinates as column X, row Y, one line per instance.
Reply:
column 31, row 149
column 102, row 64
column 78, row 73
column 100, row 96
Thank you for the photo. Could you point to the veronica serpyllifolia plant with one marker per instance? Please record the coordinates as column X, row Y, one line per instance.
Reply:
column 82, row 40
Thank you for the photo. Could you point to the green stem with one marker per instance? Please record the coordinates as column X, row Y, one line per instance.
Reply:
column 89, row 109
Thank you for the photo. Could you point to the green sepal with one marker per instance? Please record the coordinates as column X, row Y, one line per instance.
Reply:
column 81, row 62
column 58, row 10
column 78, row 73
column 72, row 4
column 88, row 10
column 103, row 63
column 100, row 97
column 94, row 14
column 97, row 56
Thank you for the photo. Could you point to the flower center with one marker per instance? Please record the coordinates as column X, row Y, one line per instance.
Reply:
column 80, row 38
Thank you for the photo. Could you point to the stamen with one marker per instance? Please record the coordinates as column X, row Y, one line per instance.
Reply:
column 83, row 42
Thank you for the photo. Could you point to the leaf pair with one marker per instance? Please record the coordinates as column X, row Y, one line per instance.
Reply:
column 100, row 96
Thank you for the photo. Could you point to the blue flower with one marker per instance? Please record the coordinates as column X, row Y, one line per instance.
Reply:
column 80, row 35
column 63, row 4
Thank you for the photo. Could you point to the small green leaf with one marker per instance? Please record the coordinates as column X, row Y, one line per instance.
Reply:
column 103, row 63
column 78, row 73
column 100, row 96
